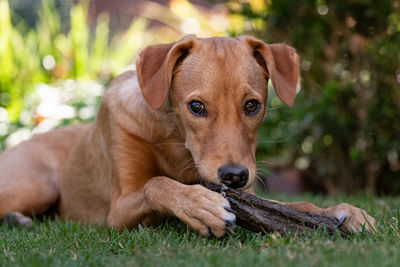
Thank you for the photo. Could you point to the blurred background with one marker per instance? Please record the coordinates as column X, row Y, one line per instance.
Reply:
column 341, row 136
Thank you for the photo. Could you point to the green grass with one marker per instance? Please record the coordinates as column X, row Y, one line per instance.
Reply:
column 65, row 243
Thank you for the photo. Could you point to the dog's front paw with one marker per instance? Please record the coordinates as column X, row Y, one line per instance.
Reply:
column 353, row 218
column 207, row 212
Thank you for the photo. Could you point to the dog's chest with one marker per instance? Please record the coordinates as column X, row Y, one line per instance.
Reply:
column 176, row 161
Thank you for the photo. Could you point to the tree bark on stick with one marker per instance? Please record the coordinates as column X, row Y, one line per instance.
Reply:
column 261, row 215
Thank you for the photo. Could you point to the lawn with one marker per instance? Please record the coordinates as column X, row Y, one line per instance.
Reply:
column 65, row 243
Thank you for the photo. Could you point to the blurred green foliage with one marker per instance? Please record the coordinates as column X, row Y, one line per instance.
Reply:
column 48, row 52
column 344, row 130
column 45, row 53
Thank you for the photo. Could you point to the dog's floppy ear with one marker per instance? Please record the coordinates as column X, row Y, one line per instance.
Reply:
column 155, row 66
column 281, row 64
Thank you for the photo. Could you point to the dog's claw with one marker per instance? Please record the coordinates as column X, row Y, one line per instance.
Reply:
column 341, row 220
column 230, row 226
column 230, row 230
column 230, row 210
column 210, row 233
column 229, row 223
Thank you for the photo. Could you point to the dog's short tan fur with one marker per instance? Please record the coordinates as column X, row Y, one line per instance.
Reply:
column 142, row 157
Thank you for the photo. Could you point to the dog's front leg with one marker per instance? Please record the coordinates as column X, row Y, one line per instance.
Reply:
column 205, row 211
column 353, row 218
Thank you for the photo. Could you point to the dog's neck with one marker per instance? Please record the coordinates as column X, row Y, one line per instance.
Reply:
column 130, row 110
column 159, row 128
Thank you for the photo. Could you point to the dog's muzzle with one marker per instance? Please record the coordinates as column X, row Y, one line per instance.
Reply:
column 233, row 176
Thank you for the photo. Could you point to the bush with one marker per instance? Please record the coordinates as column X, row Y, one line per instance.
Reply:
column 344, row 129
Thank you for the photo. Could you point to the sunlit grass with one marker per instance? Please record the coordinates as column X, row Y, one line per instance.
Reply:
column 66, row 243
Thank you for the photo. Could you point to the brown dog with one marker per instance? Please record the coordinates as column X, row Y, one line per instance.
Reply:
column 190, row 113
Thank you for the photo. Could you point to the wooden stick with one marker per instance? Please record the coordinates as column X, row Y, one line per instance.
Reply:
column 259, row 215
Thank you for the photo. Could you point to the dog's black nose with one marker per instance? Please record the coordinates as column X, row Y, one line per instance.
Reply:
column 233, row 176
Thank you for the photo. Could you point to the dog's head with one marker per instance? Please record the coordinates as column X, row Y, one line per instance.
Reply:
column 217, row 89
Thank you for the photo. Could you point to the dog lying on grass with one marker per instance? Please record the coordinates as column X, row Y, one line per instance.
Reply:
column 190, row 113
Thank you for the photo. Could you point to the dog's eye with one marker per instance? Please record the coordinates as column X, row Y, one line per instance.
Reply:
column 197, row 108
column 252, row 107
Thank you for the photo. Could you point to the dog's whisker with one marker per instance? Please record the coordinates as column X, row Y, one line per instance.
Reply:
column 263, row 171
column 188, row 161
column 192, row 168
column 178, row 143
column 189, row 167
column 191, row 172
column 188, row 164
column 274, row 141
column 268, row 163
column 265, row 187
